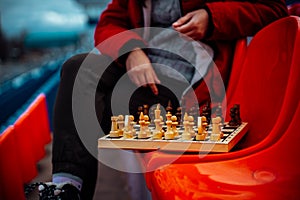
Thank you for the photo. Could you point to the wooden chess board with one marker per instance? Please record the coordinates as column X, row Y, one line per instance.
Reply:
column 232, row 136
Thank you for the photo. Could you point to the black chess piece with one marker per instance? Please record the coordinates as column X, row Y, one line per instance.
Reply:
column 140, row 109
column 219, row 112
column 146, row 109
column 235, row 116
column 152, row 112
column 169, row 107
column 178, row 114
column 206, row 112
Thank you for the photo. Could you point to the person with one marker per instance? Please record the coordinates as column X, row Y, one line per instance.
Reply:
column 216, row 25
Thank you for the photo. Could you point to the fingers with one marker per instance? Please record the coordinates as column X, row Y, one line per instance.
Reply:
column 194, row 24
column 144, row 75
column 153, row 88
column 185, row 27
column 152, row 81
column 181, row 21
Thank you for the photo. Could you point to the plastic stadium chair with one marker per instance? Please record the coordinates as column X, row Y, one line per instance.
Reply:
column 25, row 146
column 294, row 9
column 32, row 133
column 11, row 182
column 263, row 166
column 40, row 127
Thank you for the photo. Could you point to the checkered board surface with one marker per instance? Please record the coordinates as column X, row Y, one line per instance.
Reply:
column 232, row 136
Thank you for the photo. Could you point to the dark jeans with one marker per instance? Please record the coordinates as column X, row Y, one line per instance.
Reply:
column 69, row 153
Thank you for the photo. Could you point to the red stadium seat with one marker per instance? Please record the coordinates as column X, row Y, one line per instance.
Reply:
column 25, row 147
column 11, row 182
column 40, row 128
column 263, row 167
column 294, row 9
column 32, row 134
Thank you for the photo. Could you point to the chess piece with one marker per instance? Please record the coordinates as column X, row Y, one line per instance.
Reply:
column 157, row 111
column 114, row 132
column 147, row 123
column 162, row 123
column 158, row 132
column 129, row 131
column 169, row 134
column 178, row 115
column 235, row 116
column 169, row 107
column 168, row 116
column 219, row 112
column 142, row 133
column 151, row 113
column 194, row 110
column 186, row 135
column 191, row 125
column 120, row 123
column 174, row 125
column 140, row 109
column 146, row 109
column 216, row 133
column 206, row 112
column 202, row 126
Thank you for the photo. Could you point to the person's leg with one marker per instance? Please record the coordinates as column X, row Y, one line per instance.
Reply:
column 69, row 153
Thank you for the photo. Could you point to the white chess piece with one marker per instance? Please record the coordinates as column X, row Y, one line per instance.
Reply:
column 114, row 132
column 129, row 131
column 202, row 132
column 216, row 133
column 121, row 124
column 186, row 135
column 142, row 133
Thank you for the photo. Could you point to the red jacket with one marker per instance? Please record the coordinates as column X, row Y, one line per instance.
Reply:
column 230, row 20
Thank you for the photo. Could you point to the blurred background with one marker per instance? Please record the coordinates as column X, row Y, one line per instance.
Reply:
column 36, row 37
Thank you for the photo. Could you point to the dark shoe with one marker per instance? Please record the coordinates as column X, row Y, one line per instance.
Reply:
column 52, row 191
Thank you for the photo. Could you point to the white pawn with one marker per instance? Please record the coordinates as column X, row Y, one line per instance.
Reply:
column 174, row 125
column 121, row 124
column 186, row 135
column 169, row 135
column 157, row 133
column 216, row 133
column 129, row 131
column 202, row 132
column 114, row 132
column 142, row 133
column 147, row 123
column 191, row 126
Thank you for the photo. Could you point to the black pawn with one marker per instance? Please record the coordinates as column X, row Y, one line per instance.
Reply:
column 235, row 116
column 206, row 112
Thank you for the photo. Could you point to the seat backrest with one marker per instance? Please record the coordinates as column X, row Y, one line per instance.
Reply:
column 11, row 182
column 38, row 114
column 32, row 133
column 262, row 85
column 26, row 148
column 294, row 9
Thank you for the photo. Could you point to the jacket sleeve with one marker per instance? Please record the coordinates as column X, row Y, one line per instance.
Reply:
column 236, row 19
column 113, row 32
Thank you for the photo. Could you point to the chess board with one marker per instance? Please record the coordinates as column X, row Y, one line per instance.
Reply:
column 231, row 136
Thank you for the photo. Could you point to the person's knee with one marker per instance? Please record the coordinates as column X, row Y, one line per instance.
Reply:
column 91, row 60
column 73, row 64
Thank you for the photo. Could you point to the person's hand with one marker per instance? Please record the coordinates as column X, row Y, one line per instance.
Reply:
column 193, row 24
column 140, row 70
